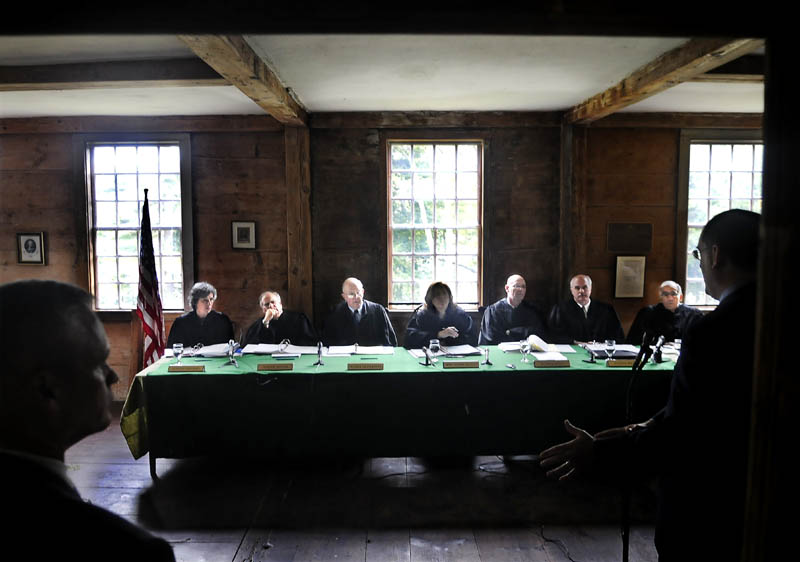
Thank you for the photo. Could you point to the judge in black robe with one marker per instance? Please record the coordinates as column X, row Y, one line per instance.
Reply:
column 669, row 318
column 569, row 323
column 439, row 318
column 279, row 324
column 512, row 318
column 203, row 324
column 370, row 325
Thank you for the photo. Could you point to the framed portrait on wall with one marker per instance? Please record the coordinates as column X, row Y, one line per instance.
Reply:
column 630, row 277
column 30, row 248
column 243, row 235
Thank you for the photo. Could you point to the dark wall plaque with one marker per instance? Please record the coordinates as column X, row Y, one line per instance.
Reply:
column 630, row 237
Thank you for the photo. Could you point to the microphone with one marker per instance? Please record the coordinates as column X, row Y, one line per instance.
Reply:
column 428, row 357
column 644, row 352
column 657, row 352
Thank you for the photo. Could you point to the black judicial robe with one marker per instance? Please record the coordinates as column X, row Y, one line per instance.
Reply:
column 292, row 326
column 373, row 329
column 425, row 325
column 698, row 444
column 567, row 323
column 46, row 519
column 501, row 322
column 656, row 320
column 190, row 330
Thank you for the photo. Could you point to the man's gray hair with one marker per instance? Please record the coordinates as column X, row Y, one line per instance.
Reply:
column 589, row 279
column 672, row 284
column 201, row 290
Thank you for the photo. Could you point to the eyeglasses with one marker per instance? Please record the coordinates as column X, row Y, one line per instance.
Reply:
column 353, row 295
column 669, row 294
column 208, row 300
column 696, row 254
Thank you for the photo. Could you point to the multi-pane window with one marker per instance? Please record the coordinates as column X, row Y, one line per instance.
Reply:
column 722, row 176
column 118, row 175
column 434, row 219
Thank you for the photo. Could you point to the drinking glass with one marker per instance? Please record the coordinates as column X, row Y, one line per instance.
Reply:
column 434, row 346
column 525, row 348
column 610, row 346
column 177, row 349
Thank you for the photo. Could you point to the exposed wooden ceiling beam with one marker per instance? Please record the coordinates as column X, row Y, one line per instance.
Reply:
column 695, row 57
column 747, row 69
column 233, row 58
column 118, row 74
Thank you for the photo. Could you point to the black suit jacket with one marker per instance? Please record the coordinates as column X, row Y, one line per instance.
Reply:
column 46, row 519
column 291, row 325
column 373, row 329
column 501, row 323
column 698, row 444
column 656, row 320
column 190, row 330
column 567, row 323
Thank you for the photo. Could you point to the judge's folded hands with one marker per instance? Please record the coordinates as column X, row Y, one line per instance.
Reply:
column 450, row 332
column 567, row 459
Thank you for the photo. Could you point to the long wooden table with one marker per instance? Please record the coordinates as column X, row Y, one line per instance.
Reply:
column 406, row 409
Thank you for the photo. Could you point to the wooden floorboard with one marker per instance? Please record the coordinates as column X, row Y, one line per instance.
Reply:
column 482, row 509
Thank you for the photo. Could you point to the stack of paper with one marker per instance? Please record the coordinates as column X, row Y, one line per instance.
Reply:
column 359, row 350
column 271, row 348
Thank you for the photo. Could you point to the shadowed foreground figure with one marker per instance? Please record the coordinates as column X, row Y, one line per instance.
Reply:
column 55, row 389
column 698, row 444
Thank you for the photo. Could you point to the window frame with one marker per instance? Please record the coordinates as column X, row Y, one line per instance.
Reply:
column 81, row 146
column 433, row 140
column 687, row 137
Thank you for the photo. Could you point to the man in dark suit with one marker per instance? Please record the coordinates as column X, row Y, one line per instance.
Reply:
column 357, row 320
column 698, row 444
column 581, row 319
column 512, row 318
column 54, row 391
column 279, row 324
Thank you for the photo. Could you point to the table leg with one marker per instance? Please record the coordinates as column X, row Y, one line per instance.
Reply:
column 153, row 474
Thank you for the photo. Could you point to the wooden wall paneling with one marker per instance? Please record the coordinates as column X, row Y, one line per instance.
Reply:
column 773, row 486
column 116, row 124
column 298, row 219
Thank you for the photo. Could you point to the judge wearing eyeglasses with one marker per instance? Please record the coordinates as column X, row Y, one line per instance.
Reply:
column 669, row 318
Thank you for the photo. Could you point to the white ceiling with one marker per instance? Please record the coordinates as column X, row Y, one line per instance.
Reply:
column 376, row 73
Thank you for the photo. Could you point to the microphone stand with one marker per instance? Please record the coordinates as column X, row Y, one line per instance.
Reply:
column 319, row 354
column 645, row 351
column 428, row 358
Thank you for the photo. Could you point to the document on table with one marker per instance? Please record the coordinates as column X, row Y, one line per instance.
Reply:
column 359, row 350
column 213, row 350
column 461, row 350
column 270, row 348
column 554, row 347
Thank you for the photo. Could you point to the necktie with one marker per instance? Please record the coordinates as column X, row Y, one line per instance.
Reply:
column 585, row 312
column 356, row 317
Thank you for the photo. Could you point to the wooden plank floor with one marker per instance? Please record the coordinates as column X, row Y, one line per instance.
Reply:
column 483, row 509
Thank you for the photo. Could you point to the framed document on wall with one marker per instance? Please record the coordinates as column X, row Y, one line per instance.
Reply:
column 243, row 234
column 630, row 277
column 30, row 248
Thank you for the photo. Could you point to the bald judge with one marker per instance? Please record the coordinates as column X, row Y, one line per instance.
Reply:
column 511, row 318
column 357, row 320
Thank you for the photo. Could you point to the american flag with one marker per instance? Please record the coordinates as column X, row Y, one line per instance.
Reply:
column 148, row 303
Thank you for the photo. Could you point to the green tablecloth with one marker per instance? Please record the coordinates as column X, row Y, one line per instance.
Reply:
column 406, row 409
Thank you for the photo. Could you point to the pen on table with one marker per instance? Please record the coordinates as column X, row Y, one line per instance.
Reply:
column 373, row 358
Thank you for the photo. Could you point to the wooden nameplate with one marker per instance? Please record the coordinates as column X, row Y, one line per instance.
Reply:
column 551, row 362
column 460, row 364
column 619, row 362
column 186, row 368
column 365, row 366
column 275, row 367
